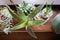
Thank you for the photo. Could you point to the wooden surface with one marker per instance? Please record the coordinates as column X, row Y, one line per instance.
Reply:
column 41, row 35
column 25, row 36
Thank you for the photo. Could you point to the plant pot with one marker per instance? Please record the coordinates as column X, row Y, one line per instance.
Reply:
column 56, row 24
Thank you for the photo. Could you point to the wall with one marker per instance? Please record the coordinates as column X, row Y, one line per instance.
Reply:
column 30, row 1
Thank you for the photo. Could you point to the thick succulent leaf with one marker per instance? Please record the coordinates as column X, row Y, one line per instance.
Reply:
column 6, row 30
column 35, row 22
column 18, row 26
column 48, row 9
column 23, row 5
column 30, row 32
column 14, row 14
column 56, row 24
column 21, row 13
column 36, row 11
column 7, row 13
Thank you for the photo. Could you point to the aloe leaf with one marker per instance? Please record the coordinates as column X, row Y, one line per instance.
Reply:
column 14, row 14
column 24, row 4
column 36, row 11
column 35, row 22
column 18, row 26
column 6, row 30
column 30, row 32
column 21, row 13
column 48, row 9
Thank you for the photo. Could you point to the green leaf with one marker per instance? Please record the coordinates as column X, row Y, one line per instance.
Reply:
column 35, row 22
column 21, row 13
column 38, row 9
column 7, row 13
column 14, row 14
column 18, row 26
column 48, row 9
column 56, row 24
column 24, row 4
column 6, row 30
column 30, row 32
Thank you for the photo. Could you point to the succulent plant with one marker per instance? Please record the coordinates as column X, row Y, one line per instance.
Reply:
column 26, row 21
column 5, row 19
column 46, row 11
column 25, row 18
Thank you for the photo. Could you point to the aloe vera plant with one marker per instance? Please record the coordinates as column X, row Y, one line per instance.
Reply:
column 26, row 21
column 48, row 9
column 47, row 12
column 5, row 19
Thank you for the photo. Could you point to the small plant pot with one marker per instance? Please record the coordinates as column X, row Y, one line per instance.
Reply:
column 56, row 24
